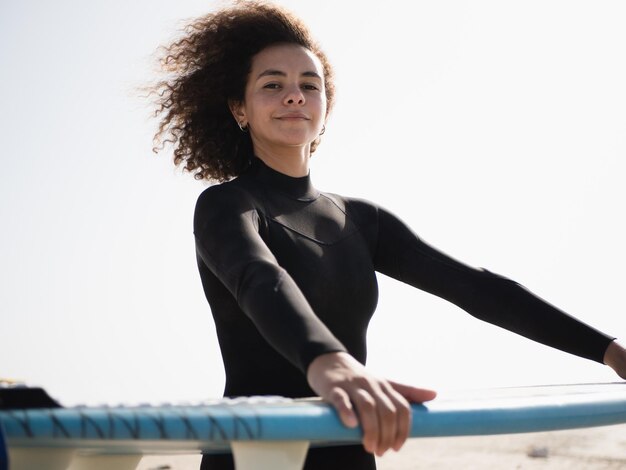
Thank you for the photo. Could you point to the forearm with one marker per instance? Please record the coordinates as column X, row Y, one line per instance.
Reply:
column 509, row 305
column 281, row 313
column 495, row 299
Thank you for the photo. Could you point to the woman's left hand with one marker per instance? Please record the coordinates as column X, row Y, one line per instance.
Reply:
column 615, row 358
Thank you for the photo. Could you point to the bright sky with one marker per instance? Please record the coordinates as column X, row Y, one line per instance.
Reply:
column 495, row 129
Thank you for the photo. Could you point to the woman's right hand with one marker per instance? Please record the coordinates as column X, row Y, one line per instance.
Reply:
column 381, row 406
column 615, row 357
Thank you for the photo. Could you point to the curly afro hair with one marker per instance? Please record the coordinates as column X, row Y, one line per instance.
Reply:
column 207, row 68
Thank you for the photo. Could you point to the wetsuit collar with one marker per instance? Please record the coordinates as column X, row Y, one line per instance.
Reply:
column 298, row 188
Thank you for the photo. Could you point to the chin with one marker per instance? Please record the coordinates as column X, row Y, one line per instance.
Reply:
column 294, row 141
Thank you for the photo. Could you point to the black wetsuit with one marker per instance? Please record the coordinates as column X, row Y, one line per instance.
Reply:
column 289, row 273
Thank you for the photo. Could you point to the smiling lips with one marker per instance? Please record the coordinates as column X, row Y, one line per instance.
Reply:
column 293, row 116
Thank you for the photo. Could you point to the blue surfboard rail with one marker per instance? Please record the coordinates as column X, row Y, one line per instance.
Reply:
column 211, row 427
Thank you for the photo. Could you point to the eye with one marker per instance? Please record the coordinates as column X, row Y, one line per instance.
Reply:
column 272, row 86
column 310, row 87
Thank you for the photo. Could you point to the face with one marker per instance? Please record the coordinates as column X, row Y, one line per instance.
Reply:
column 285, row 98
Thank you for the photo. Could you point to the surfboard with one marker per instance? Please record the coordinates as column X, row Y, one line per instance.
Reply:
column 275, row 432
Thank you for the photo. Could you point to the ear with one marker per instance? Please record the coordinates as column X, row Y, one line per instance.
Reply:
column 238, row 111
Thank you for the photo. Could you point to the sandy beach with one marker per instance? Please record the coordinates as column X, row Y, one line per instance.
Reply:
column 580, row 449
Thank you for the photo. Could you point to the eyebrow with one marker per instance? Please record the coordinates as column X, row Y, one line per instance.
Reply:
column 283, row 74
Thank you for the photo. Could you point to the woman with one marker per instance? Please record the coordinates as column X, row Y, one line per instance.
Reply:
column 289, row 272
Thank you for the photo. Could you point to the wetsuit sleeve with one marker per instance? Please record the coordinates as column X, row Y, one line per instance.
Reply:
column 401, row 254
column 226, row 228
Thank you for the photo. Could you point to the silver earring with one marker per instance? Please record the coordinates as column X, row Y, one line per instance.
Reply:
column 323, row 130
column 242, row 126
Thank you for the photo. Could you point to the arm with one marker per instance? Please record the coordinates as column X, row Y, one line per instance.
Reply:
column 404, row 256
column 226, row 227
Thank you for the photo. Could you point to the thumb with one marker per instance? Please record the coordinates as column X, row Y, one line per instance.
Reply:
column 413, row 394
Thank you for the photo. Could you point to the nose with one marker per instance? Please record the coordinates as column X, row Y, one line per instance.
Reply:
column 294, row 95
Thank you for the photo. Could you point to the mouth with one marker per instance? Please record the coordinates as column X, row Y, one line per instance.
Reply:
column 293, row 117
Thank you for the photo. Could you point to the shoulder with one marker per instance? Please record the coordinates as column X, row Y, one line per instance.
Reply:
column 223, row 201
column 229, row 194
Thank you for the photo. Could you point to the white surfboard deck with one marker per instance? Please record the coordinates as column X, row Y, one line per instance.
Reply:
column 275, row 433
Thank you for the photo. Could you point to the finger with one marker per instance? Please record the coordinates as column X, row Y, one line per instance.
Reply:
column 366, row 409
column 413, row 394
column 403, row 417
column 341, row 402
column 387, row 422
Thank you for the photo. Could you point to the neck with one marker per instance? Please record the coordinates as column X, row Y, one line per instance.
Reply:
column 289, row 161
